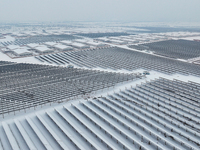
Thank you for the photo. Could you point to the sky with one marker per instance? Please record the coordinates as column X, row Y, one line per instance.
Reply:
column 100, row 10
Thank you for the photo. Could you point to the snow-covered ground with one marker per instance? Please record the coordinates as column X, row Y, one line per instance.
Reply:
column 105, row 123
column 7, row 39
column 85, row 123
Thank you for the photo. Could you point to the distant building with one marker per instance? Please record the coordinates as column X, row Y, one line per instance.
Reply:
column 50, row 43
column 43, row 49
column 119, row 42
column 63, row 47
column 18, row 50
column 66, row 42
column 96, row 44
column 81, row 41
column 12, row 47
column 79, row 45
column 33, row 45
column 22, row 52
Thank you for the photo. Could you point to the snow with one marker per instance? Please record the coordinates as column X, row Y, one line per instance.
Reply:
column 54, row 117
column 127, row 39
column 33, row 45
column 31, row 60
column 79, row 45
column 62, row 47
column 7, row 38
column 12, row 47
column 42, row 48
column 21, row 51
column 81, row 40
column 103, row 39
column 153, row 75
column 121, row 86
column 50, row 43
column 95, row 43
column 118, row 42
column 40, row 122
column 66, row 42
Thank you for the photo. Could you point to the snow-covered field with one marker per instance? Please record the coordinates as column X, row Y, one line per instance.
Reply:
column 113, row 120
column 147, row 113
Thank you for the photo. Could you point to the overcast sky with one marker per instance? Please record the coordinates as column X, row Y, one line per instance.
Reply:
column 100, row 10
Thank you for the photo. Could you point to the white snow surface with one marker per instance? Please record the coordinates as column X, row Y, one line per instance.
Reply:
column 62, row 47
column 21, row 51
column 33, row 45
column 42, row 48
column 7, row 38
column 12, row 47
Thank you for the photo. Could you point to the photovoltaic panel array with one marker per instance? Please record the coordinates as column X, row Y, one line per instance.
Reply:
column 30, row 85
column 119, row 58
